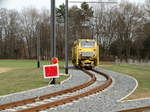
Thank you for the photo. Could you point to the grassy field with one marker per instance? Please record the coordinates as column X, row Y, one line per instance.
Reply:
column 21, row 75
column 139, row 72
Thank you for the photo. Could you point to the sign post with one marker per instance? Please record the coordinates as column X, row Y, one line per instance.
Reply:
column 53, row 32
column 66, row 36
column 54, row 61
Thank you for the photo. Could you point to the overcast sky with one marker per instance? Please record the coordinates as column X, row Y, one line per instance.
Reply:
column 39, row 4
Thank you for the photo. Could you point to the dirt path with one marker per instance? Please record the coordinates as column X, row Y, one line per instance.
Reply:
column 5, row 69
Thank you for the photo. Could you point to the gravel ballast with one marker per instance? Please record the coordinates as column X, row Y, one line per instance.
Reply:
column 108, row 100
column 77, row 78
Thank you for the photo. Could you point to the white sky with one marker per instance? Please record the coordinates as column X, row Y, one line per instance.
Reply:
column 19, row 4
column 39, row 4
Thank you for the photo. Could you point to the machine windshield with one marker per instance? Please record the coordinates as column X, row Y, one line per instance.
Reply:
column 87, row 44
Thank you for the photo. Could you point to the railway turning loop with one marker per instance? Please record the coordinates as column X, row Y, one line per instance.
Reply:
column 61, row 97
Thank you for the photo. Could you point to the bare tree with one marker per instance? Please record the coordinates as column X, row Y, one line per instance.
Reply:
column 29, row 20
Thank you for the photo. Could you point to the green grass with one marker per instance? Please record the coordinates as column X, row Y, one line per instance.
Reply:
column 139, row 72
column 23, row 75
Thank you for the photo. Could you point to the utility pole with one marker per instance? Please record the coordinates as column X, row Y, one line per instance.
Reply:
column 66, row 36
column 53, row 33
column 38, row 48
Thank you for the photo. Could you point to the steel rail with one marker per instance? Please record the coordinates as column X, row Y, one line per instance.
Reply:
column 54, row 94
column 140, row 109
column 72, row 98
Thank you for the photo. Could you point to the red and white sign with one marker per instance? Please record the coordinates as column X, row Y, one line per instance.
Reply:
column 51, row 71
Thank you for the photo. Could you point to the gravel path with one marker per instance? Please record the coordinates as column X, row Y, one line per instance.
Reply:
column 133, row 104
column 77, row 78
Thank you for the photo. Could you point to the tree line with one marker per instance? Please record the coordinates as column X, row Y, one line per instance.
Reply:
column 123, row 31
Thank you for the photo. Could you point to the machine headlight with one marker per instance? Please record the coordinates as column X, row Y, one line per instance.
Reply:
column 94, row 54
column 80, row 54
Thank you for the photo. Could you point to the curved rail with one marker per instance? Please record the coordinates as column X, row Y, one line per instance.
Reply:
column 72, row 98
column 31, row 100
column 140, row 109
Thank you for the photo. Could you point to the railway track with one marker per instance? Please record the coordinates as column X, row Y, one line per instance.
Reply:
column 140, row 109
column 64, row 96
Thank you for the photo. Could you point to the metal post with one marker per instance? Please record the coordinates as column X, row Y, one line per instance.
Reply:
column 53, row 29
column 53, row 33
column 66, row 36
column 38, row 48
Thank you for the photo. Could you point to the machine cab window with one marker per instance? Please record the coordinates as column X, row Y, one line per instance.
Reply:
column 87, row 44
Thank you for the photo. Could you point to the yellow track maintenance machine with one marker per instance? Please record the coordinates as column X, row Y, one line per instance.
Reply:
column 85, row 53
